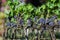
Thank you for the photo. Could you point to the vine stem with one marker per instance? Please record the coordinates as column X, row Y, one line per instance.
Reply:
column 52, row 34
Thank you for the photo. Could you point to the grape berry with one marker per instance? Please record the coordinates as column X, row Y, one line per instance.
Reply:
column 51, row 24
column 42, row 20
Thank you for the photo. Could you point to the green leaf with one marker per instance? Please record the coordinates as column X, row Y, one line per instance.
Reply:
column 8, row 2
column 11, row 14
column 43, row 6
column 58, row 5
column 26, row 16
column 12, row 20
column 48, row 10
column 53, row 1
column 56, row 12
column 50, row 5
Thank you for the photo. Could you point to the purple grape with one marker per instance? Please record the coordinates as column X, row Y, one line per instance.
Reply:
column 8, row 24
column 21, row 22
column 51, row 23
column 15, row 17
column 51, row 19
column 58, row 22
column 29, row 22
column 55, row 17
column 13, row 25
column 42, row 20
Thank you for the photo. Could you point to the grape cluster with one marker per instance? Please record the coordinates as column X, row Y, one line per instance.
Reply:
column 42, row 21
column 50, row 21
column 55, row 17
column 8, row 24
column 11, row 24
column 45, row 23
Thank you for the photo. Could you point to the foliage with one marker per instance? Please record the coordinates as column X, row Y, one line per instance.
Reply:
column 51, row 7
column 46, row 14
